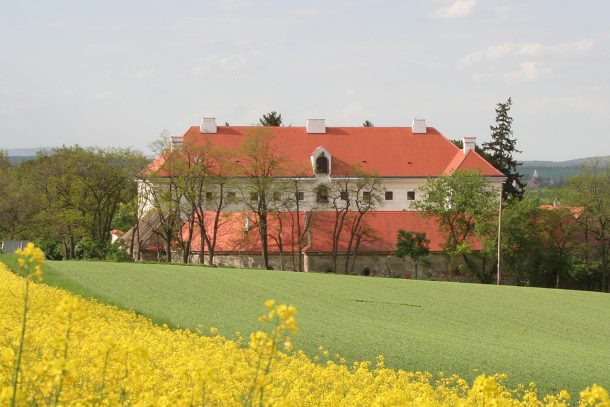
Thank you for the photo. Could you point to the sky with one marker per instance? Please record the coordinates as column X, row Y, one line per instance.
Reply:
column 118, row 73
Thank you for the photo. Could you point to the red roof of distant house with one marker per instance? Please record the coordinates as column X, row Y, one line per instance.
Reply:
column 383, row 151
column 575, row 211
column 117, row 232
column 383, row 227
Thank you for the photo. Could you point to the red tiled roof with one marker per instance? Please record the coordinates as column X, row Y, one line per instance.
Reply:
column 383, row 227
column 383, row 151
column 471, row 161
column 575, row 211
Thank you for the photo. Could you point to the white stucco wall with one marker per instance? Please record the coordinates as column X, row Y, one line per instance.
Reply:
column 399, row 186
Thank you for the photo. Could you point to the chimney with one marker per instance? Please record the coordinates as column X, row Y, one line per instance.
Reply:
column 419, row 126
column 469, row 144
column 208, row 125
column 176, row 143
column 316, row 126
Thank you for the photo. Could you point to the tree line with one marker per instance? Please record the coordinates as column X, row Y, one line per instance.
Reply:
column 69, row 199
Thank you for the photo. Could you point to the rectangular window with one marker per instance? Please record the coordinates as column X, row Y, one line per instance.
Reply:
column 277, row 196
column 344, row 195
column 410, row 195
column 231, row 196
column 300, row 195
column 253, row 196
column 209, row 195
column 366, row 196
column 389, row 195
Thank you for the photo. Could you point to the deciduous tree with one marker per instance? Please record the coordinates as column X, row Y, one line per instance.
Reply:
column 414, row 245
column 458, row 202
column 592, row 188
column 260, row 163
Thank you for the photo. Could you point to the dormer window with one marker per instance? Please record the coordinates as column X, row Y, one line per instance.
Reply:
column 322, row 164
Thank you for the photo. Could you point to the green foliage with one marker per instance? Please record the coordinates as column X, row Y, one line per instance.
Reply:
column 273, row 119
column 368, row 123
column 67, row 194
column 124, row 216
column 592, row 192
column 116, row 252
column 414, row 245
column 459, row 202
column 499, row 151
column 81, row 190
column 51, row 247
column 87, row 249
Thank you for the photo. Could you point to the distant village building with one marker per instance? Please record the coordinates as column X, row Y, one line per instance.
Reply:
column 321, row 156
column 534, row 182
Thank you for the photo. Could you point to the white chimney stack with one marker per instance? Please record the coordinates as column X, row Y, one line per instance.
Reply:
column 469, row 144
column 176, row 143
column 208, row 125
column 419, row 126
column 316, row 126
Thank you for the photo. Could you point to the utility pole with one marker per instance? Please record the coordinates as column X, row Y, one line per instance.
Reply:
column 499, row 235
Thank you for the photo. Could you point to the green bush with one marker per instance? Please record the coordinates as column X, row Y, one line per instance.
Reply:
column 88, row 249
column 116, row 252
column 52, row 248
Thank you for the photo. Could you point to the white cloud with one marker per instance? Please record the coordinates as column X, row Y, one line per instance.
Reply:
column 525, row 61
column 457, row 9
column 528, row 70
column 560, row 50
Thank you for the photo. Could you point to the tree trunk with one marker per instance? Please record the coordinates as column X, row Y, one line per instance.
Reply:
column 72, row 246
column 202, row 233
column 168, row 247
column 264, row 242
column 139, row 243
column 604, row 246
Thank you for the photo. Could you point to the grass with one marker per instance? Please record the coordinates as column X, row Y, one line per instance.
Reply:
column 556, row 338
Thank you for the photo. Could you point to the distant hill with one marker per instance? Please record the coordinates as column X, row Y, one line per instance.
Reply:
column 17, row 159
column 555, row 173
column 18, row 155
column 579, row 162
column 26, row 152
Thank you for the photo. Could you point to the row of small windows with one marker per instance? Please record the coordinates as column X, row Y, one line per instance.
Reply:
column 321, row 195
column 389, row 195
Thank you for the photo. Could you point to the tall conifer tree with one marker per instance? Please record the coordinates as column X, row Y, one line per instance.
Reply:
column 499, row 151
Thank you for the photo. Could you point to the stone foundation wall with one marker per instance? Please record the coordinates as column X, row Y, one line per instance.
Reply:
column 370, row 264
